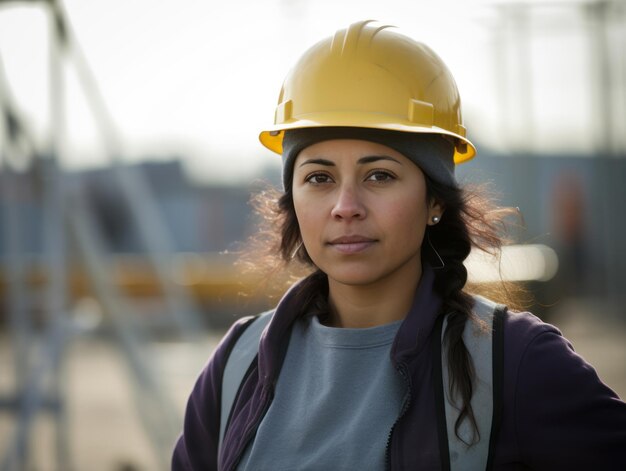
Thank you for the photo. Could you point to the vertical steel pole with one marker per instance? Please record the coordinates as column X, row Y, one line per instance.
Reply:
column 55, row 234
column 16, row 298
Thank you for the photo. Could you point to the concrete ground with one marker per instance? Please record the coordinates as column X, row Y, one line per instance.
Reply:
column 106, row 432
column 105, row 429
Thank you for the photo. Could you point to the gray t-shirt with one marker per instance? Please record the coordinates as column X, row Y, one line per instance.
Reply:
column 336, row 400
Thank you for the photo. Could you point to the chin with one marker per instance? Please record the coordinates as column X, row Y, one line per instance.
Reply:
column 360, row 278
column 368, row 273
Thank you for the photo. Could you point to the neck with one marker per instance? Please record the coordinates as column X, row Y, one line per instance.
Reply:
column 382, row 302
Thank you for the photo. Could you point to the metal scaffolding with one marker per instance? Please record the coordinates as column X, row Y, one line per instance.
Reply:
column 68, row 217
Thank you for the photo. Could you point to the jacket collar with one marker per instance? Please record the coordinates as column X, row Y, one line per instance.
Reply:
column 415, row 330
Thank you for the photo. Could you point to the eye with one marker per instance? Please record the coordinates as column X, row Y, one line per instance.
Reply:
column 380, row 176
column 318, row 178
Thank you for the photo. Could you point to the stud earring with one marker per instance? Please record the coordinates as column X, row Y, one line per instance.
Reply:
column 436, row 219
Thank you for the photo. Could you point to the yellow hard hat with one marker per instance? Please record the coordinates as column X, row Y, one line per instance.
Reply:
column 370, row 76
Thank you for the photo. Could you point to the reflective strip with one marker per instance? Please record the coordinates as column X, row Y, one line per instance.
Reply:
column 241, row 356
column 477, row 340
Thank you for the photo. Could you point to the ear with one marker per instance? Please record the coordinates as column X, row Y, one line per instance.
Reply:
column 435, row 208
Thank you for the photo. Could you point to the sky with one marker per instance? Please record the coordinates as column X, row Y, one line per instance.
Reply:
column 200, row 79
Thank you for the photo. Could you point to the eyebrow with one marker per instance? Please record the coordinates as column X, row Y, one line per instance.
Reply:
column 363, row 160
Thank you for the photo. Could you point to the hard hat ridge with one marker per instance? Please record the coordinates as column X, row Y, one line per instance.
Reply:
column 346, row 41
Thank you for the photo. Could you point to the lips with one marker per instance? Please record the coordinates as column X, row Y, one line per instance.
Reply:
column 352, row 244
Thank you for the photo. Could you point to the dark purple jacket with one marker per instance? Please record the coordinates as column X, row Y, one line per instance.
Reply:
column 557, row 414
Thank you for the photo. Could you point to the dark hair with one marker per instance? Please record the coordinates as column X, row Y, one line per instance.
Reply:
column 470, row 220
column 467, row 221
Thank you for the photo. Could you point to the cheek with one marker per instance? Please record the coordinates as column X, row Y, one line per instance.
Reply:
column 408, row 217
column 307, row 216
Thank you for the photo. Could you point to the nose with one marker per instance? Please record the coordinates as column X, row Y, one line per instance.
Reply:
column 348, row 204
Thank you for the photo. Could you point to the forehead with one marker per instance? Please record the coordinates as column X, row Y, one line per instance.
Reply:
column 347, row 149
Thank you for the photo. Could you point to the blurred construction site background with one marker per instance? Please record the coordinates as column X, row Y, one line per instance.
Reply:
column 128, row 157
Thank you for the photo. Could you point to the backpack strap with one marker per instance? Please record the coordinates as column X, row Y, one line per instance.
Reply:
column 440, row 409
column 485, row 346
column 243, row 351
column 498, row 380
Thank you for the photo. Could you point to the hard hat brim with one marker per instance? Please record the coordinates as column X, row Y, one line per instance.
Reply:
column 272, row 137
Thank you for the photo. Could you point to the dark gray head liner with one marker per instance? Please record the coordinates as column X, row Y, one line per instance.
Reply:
column 432, row 153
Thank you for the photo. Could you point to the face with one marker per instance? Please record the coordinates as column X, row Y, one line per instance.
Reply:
column 362, row 209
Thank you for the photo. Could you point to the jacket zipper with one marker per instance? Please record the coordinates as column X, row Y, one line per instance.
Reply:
column 402, row 369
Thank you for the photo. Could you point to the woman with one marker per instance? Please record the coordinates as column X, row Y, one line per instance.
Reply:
column 353, row 371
